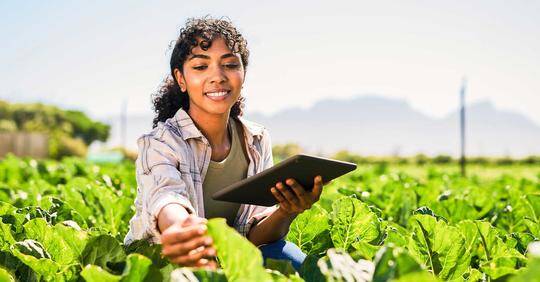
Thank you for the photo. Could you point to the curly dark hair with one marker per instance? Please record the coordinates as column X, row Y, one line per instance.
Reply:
column 169, row 98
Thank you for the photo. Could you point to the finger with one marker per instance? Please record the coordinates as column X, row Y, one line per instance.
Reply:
column 317, row 188
column 199, row 256
column 185, row 247
column 283, row 203
column 193, row 219
column 209, row 249
column 207, row 264
column 277, row 195
column 291, row 197
column 190, row 259
column 212, row 265
column 299, row 191
column 175, row 234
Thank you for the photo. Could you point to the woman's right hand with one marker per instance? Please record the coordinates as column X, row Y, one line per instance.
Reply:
column 186, row 243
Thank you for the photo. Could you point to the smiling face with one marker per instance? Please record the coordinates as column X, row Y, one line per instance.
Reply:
column 213, row 79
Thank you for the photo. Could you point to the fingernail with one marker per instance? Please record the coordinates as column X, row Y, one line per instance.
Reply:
column 208, row 241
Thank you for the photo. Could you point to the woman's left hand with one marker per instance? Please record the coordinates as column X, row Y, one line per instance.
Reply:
column 296, row 200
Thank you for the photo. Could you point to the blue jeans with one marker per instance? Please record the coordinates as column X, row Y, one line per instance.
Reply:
column 284, row 250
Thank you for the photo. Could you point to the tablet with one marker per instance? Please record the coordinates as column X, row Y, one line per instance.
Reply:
column 303, row 168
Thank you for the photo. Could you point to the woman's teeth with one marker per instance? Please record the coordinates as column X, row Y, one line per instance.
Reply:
column 217, row 94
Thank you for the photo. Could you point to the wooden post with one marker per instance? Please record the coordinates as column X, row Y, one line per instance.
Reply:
column 123, row 123
column 462, row 160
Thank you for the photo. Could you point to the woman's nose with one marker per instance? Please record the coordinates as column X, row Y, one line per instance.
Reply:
column 217, row 74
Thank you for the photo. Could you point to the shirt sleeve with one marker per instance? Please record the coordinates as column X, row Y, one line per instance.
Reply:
column 258, row 213
column 159, row 182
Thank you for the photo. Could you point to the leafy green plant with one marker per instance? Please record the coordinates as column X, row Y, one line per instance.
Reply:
column 66, row 220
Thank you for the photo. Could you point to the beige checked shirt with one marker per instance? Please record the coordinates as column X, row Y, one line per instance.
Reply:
column 170, row 168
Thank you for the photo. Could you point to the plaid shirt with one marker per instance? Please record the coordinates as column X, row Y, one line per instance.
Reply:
column 170, row 168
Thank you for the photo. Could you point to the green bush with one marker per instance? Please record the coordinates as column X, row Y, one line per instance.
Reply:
column 38, row 117
column 421, row 159
column 442, row 159
column 61, row 146
column 7, row 125
column 283, row 151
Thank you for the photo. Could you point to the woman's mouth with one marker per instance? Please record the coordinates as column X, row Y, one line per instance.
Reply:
column 218, row 95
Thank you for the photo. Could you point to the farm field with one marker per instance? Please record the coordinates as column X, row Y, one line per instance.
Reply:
column 65, row 221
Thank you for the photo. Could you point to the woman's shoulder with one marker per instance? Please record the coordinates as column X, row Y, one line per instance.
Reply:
column 253, row 128
column 163, row 144
column 165, row 136
column 163, row 131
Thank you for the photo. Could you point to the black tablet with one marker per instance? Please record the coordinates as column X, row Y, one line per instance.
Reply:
column 256, row 189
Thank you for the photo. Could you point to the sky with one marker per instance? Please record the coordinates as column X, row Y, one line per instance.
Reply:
column 94, row 55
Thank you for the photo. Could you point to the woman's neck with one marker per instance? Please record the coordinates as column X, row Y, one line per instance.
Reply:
column 214, row 128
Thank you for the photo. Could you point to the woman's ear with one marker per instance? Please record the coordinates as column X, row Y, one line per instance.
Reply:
column 180, row 78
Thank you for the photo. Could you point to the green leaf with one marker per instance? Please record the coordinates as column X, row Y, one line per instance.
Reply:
column 529, row 274
column 438, row 246
column 515, row 216
column 393, row 263
column 6, row 276
column 237, row 256
column 32, row 248
column 94, row 273
column 307, row 226
column 364, row 250
column 6, row 237
column 64, row 243
column 151, row 251
column 137, row 267
column 339, row 266
column 417, row 277
column 455, row 210
column 497, row 258
column 285, row 267
column 309, row 270
column 47, row 269
column 101, row 250
column 352, row 221
column 475, row 275
column 187, row 274
column 396, row 235
column 22, row 271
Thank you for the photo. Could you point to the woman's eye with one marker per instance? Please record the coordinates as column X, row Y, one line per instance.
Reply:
column 200, row 67
column 232, row 66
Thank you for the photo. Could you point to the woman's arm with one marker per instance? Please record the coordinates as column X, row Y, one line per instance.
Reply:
column 170, row 214
column 271, row 228
column 184, row 238
column 291, row 203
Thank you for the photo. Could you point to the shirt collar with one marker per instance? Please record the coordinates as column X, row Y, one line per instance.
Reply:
column 188, row 130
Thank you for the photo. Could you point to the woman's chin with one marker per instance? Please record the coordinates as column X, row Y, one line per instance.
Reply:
column 224, row 110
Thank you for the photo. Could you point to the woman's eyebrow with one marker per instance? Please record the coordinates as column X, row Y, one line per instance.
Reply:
column 228, row 55
column 200, row 56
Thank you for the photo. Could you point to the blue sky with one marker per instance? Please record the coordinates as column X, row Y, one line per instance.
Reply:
column 93, row 55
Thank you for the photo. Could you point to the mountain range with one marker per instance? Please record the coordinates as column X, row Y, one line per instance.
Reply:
column 376, row 125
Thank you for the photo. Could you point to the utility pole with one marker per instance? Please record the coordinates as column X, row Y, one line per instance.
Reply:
column 123, row 123
column 462, row 160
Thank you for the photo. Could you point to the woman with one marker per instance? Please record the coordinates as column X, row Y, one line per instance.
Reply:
column 199, row 144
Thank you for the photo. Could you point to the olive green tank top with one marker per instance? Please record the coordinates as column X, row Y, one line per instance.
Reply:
column 221, row 174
